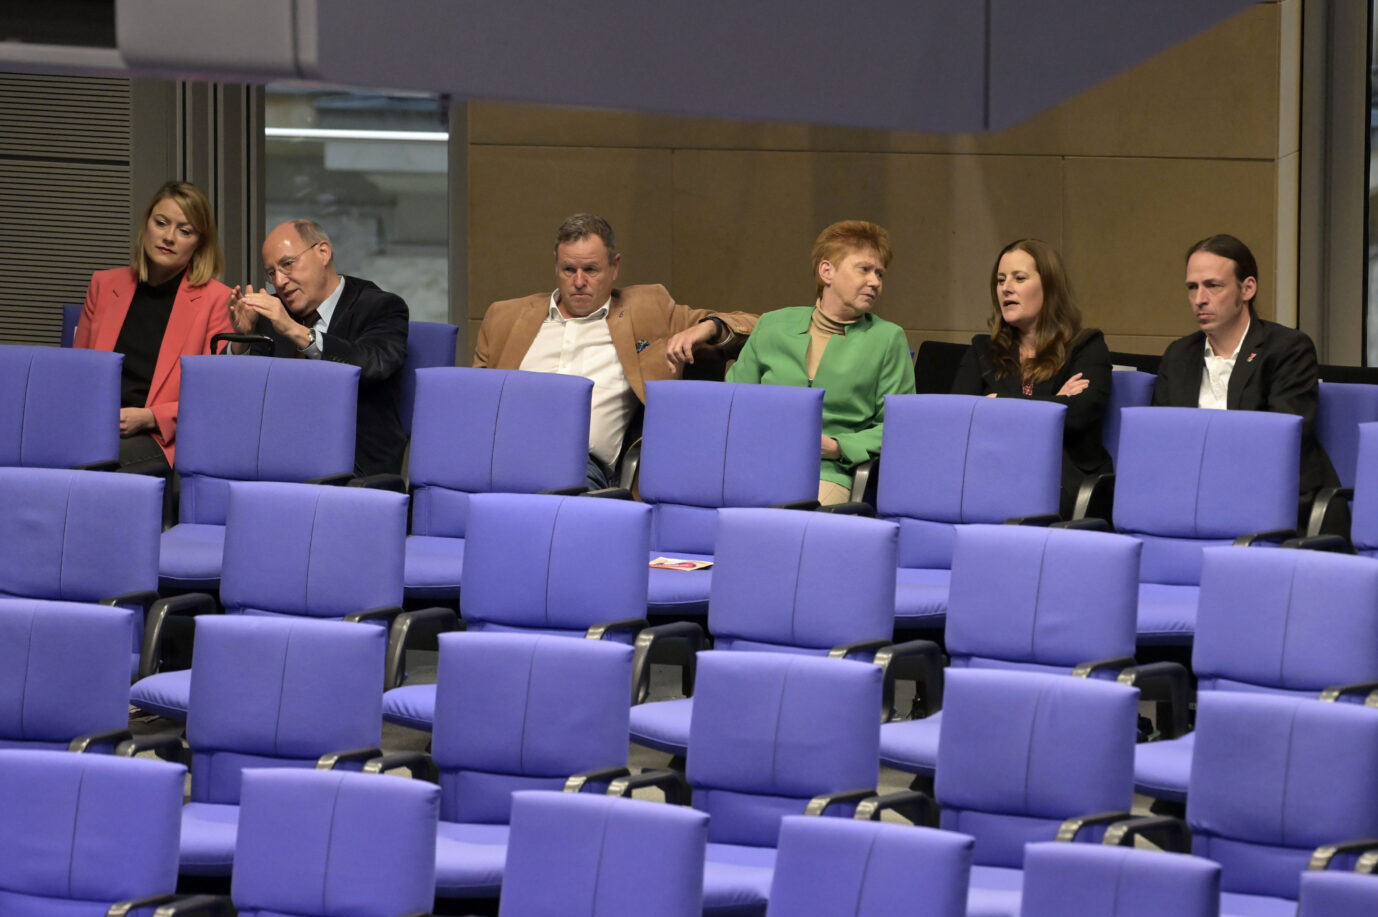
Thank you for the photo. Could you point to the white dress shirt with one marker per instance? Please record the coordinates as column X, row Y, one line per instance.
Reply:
column 1215, row 375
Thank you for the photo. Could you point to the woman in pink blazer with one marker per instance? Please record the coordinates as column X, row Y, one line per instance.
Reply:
column 167, row 304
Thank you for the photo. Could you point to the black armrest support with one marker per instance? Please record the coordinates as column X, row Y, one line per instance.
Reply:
column 861, row 479
column 807, row 505
column 821, row 804
column 1095, row 497
column 857, row 648
column 1090, row 525
column 1069, row 829
column 1335, row 692
column 193, row 603
column 1336, row 544
column 238, row 337
column 676, row 643
column 1368, row 863
column 672, row 783
column 583, row 780
column 421, row 765
column 1120, row 663
column 1171, row 834
column 113, row 738
column 917, row 661
column 610, row 493
column 170, row 746
column 143, row 599
column 387, row 613
column 412, row 629
column 1320, row 506
column 386, row 480
column 198, row 906
column 1321, row 856
column 339, row 479
column 601, row 630
column 1041, row 519
column 329, row 762
column 914, row 805
column 850, row 508
column 1278, row 535
column 107, row 465
column 566, row 491
column 1169, row 682
column 123, row 908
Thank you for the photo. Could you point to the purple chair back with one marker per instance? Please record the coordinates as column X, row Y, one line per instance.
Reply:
column 1338, row 894
column 260, row 419
column 276, row 692
column 492, row 430
column 1341, row 408
column 429, row 344
column 1020, row 752
column 800, row 580
column 79, row 833
column 769, row 731
column 528, row 563
column 579, row 855
column 60, row 408
column 303, row 549
column 524, row 712
column 706, row 445
column 1129, row 388
column 1061, row 879
column 1364, row 522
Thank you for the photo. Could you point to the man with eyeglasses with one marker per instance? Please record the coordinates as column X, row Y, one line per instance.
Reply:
column 316, row 313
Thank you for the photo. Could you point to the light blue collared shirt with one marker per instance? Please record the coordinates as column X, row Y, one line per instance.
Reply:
column 326, row 309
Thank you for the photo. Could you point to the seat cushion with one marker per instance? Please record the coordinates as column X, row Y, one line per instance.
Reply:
column 663, row 725
column 911, row 745
column 208, row 835
column 995, row 892
column 469, row 860
column 433, row 566
column 410, row 705
column 164, row 693
column 679, row 592
column 736, row 879
column 1161, row 769
column 190, row 555
column 1167, row 614
column 921, row 597
column 1233, row 904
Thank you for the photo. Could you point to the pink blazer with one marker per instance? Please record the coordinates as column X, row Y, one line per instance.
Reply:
column 198, row 313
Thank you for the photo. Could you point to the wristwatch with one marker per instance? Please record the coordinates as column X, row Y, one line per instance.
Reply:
column 310, row 340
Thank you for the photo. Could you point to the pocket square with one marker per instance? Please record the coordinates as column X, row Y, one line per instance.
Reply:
column 642, row 345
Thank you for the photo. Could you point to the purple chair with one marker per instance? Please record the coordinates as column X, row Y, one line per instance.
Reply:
column 1363, row 530
column 1189, row 478
column 579, row 855
column 1098, row 881
column 82, row 536
column 60, row 408
column 528, row 569
column 80, row 834
column 251, row 419
column 71, row 317
column 1063, row 600
column 485, row 431
column 1341, row 408
column 784, row 581
column 1271, row 621
column 1128, row 389
column 429, row 344
column 707, row 445
column 1338, row 894
column 268, row 692
column 953, row 460
column 828, row 866
column 292, row 550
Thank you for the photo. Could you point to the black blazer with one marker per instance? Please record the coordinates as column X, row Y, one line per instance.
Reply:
column 1275, row 371
column 1083, row 451
column 368, row 329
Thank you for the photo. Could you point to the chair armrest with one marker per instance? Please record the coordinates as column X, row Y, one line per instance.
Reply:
column 170, row 746
column 1322, row 855
column 565, row 491
column 857, row 648
column 807, row 505
column 1119, row 663
column 387, row 613
column 1336, row 544
column 1320, row 506
column 861, row 479
column 421, row 765
column 385, row 480
column 107, row 465
column 112, row 738
column 1169, row 682
column 1090, row 525
column 915, row 805
column 1095, row 497
column 1278, row 535
column 661, row 641
column 583, row 780
column 630, row 467
column 672, row 783
column 193, row 603
column 820, row 804
column 1335, row 692
column 143, row 599
column 610, row 493
column 1367, row 863
column 1067, row 832
column 123, row 908
column 850, row 508
column 601, row 630
column 917, row 661
column 1042, row 519
column 1168, row 833
column 408, row 631
column 238, row 337
column 198, row 906
column 328, row 762
column 339, row 479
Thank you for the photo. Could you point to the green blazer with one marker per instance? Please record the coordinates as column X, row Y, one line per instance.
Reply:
column 857, row 371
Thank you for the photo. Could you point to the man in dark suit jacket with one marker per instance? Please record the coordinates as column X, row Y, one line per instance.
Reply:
column 1239, row 361
column 318, row 314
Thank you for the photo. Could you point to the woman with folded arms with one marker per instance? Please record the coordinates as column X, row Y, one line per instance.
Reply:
column 165, row 305
column 1038, row 349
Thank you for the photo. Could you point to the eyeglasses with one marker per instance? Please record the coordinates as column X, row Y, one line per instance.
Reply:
column 285, row 264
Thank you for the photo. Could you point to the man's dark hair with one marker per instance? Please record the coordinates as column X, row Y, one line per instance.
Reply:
column 581, row 226
column 1227, row 246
